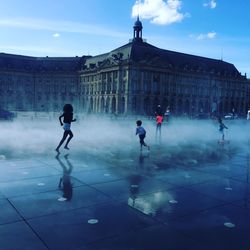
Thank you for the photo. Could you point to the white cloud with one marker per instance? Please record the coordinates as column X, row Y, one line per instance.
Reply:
column 209, row 35
column 159, row 11
column 56, row 35
column 60, row 26
column 212, row 4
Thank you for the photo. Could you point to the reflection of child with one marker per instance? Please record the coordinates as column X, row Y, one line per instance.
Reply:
column 221, row 128
column 65, row 182
column 141, row 132
column 67, row 119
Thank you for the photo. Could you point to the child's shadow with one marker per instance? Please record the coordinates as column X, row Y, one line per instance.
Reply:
column 65, row 181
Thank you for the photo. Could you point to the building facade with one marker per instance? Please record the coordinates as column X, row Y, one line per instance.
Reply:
column 132, row 79
column 38, row 84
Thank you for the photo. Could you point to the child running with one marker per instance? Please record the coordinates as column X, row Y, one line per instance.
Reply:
column 221, row 128
column 67, row 119
column 141, row 132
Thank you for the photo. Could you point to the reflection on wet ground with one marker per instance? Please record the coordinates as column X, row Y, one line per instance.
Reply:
column 190, row 196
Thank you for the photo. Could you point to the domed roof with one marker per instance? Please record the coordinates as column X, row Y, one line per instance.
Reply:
column 138, row 23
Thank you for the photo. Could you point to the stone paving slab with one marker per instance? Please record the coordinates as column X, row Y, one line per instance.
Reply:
column 125, row 200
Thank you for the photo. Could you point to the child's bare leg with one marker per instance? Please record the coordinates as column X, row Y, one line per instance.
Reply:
column 70, row 137
column 62, row 141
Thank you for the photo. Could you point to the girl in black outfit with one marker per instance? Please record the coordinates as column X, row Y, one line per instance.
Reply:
column 67, row 119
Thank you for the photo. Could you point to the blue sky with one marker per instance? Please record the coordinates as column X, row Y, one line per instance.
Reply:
column 211, row 28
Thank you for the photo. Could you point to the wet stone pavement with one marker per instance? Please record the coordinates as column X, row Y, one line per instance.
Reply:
column 129, row 200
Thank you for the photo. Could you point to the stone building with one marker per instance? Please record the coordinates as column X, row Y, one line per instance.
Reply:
column 38, row 84
column 132, row 79
column 136, row 77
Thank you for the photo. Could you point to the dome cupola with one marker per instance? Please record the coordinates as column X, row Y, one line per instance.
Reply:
column 137, row 30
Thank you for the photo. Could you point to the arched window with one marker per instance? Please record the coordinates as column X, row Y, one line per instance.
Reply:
column 113, row 106
column 107, row 105
column 180, row 107
column 187, row 107
column 91, row 105
column 134, row 103
column 207, row 108
column 122, row 106
column 102, row 105
column 147, row 106
column 201, row 107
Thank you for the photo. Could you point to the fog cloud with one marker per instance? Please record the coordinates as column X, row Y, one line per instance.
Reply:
column 182, row 141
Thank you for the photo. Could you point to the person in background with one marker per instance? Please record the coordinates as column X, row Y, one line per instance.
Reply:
column 159, row 120
column 222, row 126
column 141, row 132
column 158, row 110
column 248, row 115
column 167, row 114
column 67, row 119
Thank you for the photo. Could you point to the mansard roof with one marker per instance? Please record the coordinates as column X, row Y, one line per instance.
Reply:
column 135, row 52
column 43, row 64
column 140, row 52
column 147, row 53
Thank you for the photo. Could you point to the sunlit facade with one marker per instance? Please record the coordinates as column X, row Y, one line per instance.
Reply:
column 136, row 77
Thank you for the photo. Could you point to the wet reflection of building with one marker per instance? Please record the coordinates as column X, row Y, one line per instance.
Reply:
column 131, row 79
column 246, row 196
column 65, row 181
column 155, row 202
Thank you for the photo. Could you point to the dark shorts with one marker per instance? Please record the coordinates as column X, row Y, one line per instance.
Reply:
column 142, row 138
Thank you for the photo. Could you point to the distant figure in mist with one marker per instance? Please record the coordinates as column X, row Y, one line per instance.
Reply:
column 67, row 119
column 65, row 181
column 141, row 132
column 222, row 126
column 167, row 114
column 248, row 115
column 159, row 120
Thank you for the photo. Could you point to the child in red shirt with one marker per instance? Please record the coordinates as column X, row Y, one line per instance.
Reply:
column 159, row 120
